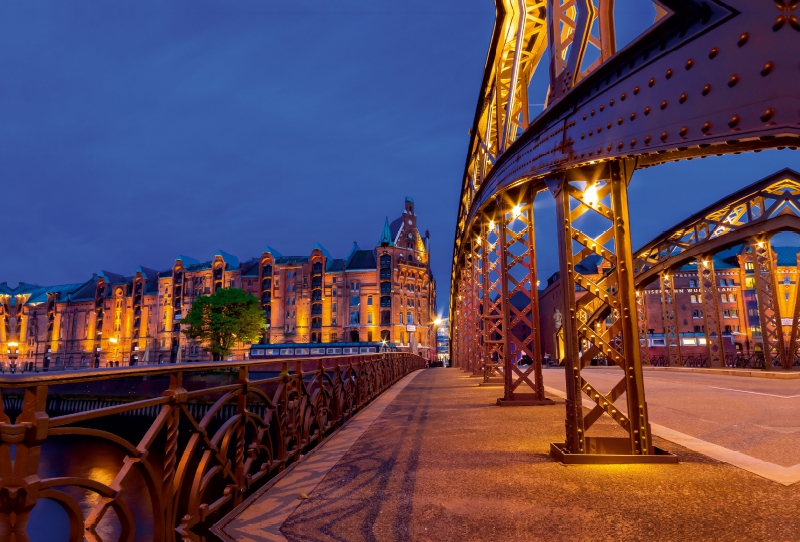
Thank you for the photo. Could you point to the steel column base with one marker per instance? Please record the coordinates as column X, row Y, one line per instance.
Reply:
column 524, row 401
column 660, row 456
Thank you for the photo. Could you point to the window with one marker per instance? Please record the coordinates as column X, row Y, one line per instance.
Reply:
column 786, row 279
column 354, row 317
column 335, row 292
column 749, row 267
column 355, row 300
column 724, row 298
column 400, row 317
column 369, row 318
column 734, row 313
column 369, row 336
column 750, row 283
column 369, row 300
column 786, row 296
column 333, row 308
column 694, row 298
column 726, row 313
column 410, row 319
column 731, row 298
column 386, row 318
column 691, row 284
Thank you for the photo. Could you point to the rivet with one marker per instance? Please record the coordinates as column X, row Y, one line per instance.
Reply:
column 633, row 116
column 682, row 98
column 599, row 129
column 733, row 80
column 742, row 39
column 619, row 121
column 602, row 107
column 635, row 91
column 767, row 114
column 591, row 132
column 611, row 102
column 620, row 145
column 584, row 117
column 592, row 113
column 706, row 127
column 583, row 136
column 669, row 74
column 647, row 140
column 713, row 52
column 609, row 147
column 633, row 142
column 622, row 97
column 651, row 82
column 663, row 136
column 608, row 126
column 689, row 64
column 646, row 110
column 664, row 104
column 706, row 90
column 766, row 69
column 734, row 121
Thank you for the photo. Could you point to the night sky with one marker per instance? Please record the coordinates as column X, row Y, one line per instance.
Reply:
column 131, row 132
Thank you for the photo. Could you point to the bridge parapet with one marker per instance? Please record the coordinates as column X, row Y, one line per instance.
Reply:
column 201, row 449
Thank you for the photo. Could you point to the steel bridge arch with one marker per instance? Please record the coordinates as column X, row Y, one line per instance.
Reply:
column 708, row 78
column 750, row 216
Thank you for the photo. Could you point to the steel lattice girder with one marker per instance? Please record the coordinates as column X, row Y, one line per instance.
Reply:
column 709, row 78
column 767, row 206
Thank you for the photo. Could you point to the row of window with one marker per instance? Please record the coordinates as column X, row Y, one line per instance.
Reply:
column 725, row 298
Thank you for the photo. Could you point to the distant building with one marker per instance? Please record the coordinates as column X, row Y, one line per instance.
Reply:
column 737, row 304
column 443, row 340
column 384, row 293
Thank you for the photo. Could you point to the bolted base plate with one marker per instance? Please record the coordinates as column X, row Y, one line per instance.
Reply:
column 524, row 402
column 660, row 456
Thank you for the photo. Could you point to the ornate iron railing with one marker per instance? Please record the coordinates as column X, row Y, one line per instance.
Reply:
column 199, row 450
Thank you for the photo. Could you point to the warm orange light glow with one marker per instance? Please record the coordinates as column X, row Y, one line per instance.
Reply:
column 112, row 340
column 491, row 224
column 515, row 212
column 13, row 344
column 590, row 194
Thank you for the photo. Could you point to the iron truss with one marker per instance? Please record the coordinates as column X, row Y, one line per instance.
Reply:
column 748, row 217
column 708, row 78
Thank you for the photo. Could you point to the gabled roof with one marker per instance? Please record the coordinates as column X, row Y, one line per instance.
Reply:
column 269, row 250
column 147, row 273
column 249, row 268
column 361, row 259
column 322, row 249
column 786, row 256
column 395, row 227
column 112, row 278
column 187, row 260
column 231, row 260
column 386, row 235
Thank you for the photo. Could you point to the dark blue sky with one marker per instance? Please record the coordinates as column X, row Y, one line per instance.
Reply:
column 131, row 132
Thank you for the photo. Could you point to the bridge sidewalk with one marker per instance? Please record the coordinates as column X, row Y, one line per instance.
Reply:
column 442, row 463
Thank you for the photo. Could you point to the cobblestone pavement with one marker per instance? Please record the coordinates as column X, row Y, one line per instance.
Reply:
column 443, row 463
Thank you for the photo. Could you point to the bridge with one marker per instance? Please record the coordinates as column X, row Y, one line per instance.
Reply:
column 702, row 81
column 369, row 446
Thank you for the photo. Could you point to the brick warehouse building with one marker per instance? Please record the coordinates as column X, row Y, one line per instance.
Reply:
column 737, row 303
column 383, row 293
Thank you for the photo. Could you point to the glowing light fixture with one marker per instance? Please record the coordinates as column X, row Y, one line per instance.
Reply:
column 590, row 194
column 112, row 340
column 13, row 344
column 491, row 224
column 516, row 211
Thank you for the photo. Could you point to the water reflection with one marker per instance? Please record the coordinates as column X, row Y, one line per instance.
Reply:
column 97, row 460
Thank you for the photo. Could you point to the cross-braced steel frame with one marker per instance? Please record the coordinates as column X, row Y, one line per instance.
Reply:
column 709, row 77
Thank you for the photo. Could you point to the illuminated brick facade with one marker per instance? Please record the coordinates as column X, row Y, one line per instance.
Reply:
column 380, row 293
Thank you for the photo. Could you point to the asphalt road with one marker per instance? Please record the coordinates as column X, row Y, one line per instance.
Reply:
column 755, row 416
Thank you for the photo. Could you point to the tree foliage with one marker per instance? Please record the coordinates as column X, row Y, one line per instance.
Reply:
column 222, row 318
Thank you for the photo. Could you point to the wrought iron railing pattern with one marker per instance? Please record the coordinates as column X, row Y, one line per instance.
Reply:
column 203, row 449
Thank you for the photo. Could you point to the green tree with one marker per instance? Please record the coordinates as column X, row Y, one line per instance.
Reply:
column 222, row 318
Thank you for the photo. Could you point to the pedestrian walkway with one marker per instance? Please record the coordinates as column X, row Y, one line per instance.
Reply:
column 442, row 463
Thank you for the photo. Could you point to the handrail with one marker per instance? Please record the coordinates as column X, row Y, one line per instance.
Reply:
column 200, row 453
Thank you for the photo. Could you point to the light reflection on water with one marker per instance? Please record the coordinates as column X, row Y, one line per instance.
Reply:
column 97, row 460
